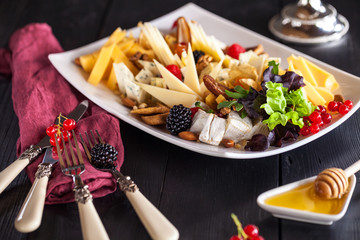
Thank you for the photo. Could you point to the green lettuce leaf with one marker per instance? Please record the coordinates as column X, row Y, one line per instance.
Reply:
column 275, row 98
column 275, row 119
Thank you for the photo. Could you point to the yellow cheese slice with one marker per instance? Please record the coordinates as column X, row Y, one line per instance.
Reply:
column 118, row 56
column 169, row 97
column 88, row 61
column 323, row 78
column 101, row 64
column 325, row 93
column 117, row 36
column 313, row 95
column 191, row 78
column 300, row 64
column 173, row 82
column 111, row 83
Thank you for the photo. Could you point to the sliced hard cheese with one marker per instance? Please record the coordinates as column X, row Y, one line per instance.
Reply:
column 323, row 78
column 191, row 78
column 115, row 37
column 88, row 61
column 313, row 95
column 169, row 97
column 101, row 64
column 325, row 93
column 119, row 56
column 300, row 64
column 173, row 82
column 112, row 82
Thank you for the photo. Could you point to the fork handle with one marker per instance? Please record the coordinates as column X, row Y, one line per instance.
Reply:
column 91, row 226
column 156, row 224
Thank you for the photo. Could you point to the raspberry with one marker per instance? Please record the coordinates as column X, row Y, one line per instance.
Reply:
column 174, row 69
column 235, row 50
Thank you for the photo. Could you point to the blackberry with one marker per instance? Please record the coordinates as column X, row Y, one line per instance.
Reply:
column 179, row 119
column 197, row 55
column 103, row 155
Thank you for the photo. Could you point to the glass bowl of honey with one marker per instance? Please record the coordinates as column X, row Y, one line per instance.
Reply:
column 298, row 201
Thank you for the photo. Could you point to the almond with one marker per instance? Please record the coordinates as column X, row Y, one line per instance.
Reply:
column 190, row 136
column 128, row 102
column 228, row 143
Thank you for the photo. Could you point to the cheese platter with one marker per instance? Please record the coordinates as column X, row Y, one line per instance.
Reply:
column 154, row 74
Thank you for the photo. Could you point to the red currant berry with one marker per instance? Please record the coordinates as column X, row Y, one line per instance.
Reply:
column 306, row 121
column 333, row 106
column 321, row 109
column 343, row 109
column 321, row 123
column 50, row 131
column 314, row 128
column 69, row 124
column 236, row 237
column 257, row 238
column 305, row 130
column 349, row 104
column 174, row 69
column 194, row 110
column 315, row 117
column 66, row 136
column 326, row 117
column 251, row 230
column 235, row 50
column 52, row 140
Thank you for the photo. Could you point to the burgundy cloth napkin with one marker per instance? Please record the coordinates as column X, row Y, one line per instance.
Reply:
column 39, row 94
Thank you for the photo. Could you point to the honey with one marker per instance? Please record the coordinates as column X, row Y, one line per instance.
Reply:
column 304, row 198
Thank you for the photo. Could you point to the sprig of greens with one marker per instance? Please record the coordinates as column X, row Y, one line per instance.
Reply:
column 275, row 65
column 239, row 93
column 198, row 104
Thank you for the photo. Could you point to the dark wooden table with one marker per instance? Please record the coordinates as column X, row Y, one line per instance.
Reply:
column 196, row 192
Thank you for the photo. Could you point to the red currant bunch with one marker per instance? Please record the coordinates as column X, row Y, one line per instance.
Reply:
column 249, row 232
column 341, row 107
column 64, row 128
column 316, row 120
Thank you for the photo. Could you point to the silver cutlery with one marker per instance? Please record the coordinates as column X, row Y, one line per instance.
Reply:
column 30, row 214
column 9, row 173
column 91, row 225
column 156, row 224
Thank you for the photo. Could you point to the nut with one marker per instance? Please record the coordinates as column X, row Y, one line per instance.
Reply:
column 142, row 105
column 139, row 56
column 77, row 61
column 203, row 62
column 215, row 87
column 339, row 98
column 190, row 136
column 228, row 143
column 128, row 102
column 225, row 111
column 259, row 49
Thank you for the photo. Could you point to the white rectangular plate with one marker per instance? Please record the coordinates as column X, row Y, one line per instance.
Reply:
column 227, row 32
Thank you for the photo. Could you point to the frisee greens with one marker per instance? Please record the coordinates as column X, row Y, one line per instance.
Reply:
column 283, row 106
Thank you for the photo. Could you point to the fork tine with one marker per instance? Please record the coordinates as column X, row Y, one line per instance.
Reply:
column 80, row 158
column 61, row 160
column 85, row 147
column 65, row 151
column 72, row 152
column 100, row 139
column 92, row 134
column 87, row 136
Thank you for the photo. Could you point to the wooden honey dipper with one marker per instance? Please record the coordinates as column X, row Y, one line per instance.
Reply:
column 333, row 182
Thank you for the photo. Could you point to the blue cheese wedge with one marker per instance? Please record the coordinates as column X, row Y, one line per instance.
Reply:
column 122, row 74
column 237, row 128
column 144, row 76
column 133, row 91
column 158, row 82
column 150, row 66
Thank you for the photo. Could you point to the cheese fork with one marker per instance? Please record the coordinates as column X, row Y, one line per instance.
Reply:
column 91, row 225
column 156, row 224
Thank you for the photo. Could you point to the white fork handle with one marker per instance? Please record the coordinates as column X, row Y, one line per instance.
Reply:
column 156, row 224
column 30, row 214
column 91, row 226
column 8, row 174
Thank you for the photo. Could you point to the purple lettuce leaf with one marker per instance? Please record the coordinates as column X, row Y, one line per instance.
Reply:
column 290, row 80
